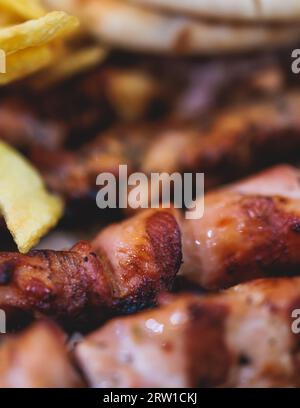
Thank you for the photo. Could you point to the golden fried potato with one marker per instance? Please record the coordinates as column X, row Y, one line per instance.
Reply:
column 25, row 62
column 34, row 33
column 26, row 9
column 7, row 19
column 32, row 45
column 28, row 209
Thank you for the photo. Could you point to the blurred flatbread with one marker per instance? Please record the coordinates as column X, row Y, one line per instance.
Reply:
column 247, row 10
column 124, row 25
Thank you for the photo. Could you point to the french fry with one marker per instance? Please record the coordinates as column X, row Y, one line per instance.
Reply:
column 32, row 45
column 7, row 19
column 26, row 62
column 28, row 209
column 34, row 33
column 26, row 9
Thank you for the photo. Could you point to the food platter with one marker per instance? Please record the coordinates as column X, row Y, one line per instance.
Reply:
column 149, row 196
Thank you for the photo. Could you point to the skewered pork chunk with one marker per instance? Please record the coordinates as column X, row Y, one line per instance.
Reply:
column 249, row 230
column 238, row 338
column 37, row 358
column 125, row 268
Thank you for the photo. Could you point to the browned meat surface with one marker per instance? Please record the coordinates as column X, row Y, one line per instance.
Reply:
column 37, row 358
column 74, row 174
column 125, row 268
column 246, row 138
column 238, row 141
column 249, row 230
column 239, row 338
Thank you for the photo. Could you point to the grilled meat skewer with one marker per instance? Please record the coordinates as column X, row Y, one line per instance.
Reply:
column 239, row 338
column 249, row 230
column 239, row 141
column 37, row 358
column 123, row 269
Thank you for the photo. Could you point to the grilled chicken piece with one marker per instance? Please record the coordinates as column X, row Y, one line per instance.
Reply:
column 123, row 269
column 74, row 174
column 37, row 358
column 249, row 230
column 250, row 137
column 239, row 141
column 239, row 338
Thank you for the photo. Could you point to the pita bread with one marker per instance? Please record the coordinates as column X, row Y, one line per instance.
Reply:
column 247, row 10
column 127, row 26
